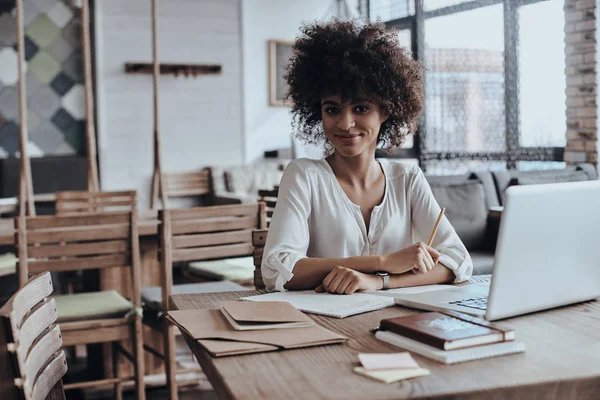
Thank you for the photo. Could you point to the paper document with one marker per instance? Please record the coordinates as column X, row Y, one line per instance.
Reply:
column 378, row 361
column 410, row 290
column 392, row 375
column 331, row 305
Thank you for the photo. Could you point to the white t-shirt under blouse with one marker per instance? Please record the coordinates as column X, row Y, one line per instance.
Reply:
column 315, row 218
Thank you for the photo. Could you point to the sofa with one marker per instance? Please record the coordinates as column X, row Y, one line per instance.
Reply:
column 469, row 197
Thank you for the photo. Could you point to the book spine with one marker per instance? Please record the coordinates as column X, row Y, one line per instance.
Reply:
column 412, row 334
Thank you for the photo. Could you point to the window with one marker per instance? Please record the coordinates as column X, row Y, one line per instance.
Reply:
column 542, row 106
column 484, row 85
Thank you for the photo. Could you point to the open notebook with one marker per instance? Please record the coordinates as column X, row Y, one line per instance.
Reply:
column 331, row 305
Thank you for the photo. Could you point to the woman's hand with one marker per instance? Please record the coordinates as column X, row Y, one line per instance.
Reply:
column 419, row 258
column 343, row 280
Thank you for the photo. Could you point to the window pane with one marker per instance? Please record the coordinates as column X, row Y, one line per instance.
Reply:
column 389, row 10
column 542, row 82
column 464, row 58
column 537, row 165
column 457, row 167
column 430, row 5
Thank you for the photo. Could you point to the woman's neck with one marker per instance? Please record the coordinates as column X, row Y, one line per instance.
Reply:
column 360, row 171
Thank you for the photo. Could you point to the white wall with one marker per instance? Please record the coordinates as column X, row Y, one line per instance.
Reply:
column 201, row 119
column 267, row 127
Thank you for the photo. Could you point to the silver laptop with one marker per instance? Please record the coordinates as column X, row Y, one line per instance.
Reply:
column 547, row 255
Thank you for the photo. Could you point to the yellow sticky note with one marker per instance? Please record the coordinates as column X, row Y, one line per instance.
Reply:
column 379, row 361
column 392, row 375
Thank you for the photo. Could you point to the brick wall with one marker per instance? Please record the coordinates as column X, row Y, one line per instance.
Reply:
column 582, row 107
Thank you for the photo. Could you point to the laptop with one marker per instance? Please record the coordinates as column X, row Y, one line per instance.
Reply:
column 547, row 255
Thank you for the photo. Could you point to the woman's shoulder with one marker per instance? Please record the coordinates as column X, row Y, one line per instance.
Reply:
column 399, row 169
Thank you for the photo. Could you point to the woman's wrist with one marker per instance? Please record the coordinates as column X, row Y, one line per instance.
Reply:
column 375, row 282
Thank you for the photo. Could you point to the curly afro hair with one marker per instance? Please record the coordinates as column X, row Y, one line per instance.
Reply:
column 354, row 61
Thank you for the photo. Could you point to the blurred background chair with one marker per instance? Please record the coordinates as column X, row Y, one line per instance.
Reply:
column 95, row 241
column 32, row 363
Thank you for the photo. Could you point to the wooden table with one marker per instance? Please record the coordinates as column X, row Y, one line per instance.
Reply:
column 562, row 361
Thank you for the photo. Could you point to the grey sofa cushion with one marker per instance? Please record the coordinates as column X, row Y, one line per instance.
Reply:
column 482, row 262
column 540, row 179
column 466, row 208
column 571, row 173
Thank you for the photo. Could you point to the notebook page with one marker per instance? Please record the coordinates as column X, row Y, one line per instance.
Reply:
column 332, row 305
column 410, row 290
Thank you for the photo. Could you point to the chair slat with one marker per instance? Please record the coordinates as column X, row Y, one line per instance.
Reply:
column 213, row 225
column 81, row 204
column 52, row 373
column 182, row 192
column 232, row 250
column 40, row 353
column 79, row 249
column 70, row 195
column 79, row 264
column 42, row 317
column 79, row 234
column 28, row 296
column 51, row 222
column 209, row 239
column 214, row 211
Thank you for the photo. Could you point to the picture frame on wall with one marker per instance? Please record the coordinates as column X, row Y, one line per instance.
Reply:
column 280, row 52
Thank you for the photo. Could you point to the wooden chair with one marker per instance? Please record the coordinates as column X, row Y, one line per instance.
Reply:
column 270, row 199
column 259, row 238
column 186, row 184
column 32, row 363
column 201, row 233
column 95, row 241
column 77, row 202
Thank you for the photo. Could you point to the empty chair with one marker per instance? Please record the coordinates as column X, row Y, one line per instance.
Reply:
column 32, row 363
column 77, row 202
column 96, row 241
column 200, row 233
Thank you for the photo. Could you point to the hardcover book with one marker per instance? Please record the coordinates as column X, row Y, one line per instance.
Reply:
column 447, row 330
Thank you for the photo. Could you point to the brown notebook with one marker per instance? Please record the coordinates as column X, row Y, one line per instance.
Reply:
column 447, row 330
column 213, row 332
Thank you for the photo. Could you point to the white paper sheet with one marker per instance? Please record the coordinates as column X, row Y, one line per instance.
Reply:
column 332, row 305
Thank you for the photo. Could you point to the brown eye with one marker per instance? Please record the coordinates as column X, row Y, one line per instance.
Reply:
column 361, row 109
column 331, row 110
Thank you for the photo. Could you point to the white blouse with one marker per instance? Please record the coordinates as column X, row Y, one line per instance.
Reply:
column 315, row 218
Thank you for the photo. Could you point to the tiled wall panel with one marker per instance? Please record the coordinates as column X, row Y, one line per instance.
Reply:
column 56, row 109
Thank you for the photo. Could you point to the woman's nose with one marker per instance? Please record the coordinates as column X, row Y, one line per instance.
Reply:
column 346, row 121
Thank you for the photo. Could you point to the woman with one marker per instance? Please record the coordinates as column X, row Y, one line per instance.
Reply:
column 348, row 222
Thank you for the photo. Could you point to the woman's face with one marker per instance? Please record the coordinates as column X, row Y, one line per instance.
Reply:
column 352, row 127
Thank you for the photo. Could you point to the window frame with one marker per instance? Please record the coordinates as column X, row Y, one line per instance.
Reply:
column 514, row 151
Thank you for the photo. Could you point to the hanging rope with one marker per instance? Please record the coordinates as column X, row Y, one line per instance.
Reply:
column 157, row 183
column 93, row 185
column 25, row 181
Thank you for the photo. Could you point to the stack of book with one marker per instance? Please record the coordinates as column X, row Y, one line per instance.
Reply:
column 449, row 337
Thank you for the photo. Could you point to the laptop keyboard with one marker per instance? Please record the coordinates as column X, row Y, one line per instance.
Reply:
column 479, row 303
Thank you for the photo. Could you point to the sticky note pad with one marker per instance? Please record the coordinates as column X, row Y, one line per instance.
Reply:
column 392, row 375
column 375, row 361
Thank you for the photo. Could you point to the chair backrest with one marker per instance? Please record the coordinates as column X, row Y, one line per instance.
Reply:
column 186, row 184
column 205, row 233
column 259, row 238
column 269, row 197
column 77, row 202
column 79, row 242
column 32, row 363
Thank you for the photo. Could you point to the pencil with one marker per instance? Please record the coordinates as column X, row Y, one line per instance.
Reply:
column 435, row 227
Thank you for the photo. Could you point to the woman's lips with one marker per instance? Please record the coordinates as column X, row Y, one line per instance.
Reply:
column 347, row 138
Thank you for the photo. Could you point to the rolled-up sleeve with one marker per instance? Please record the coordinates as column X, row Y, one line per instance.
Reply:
column 288, row 237
column 425, row 211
